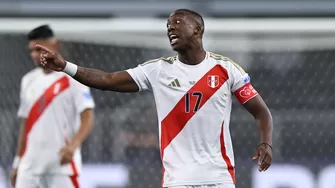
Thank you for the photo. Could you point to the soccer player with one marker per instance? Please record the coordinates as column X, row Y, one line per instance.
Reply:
column 193, row 94
column 57, row 116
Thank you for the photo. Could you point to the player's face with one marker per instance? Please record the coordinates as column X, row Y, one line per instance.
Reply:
column 35, row 53
column 180, row 30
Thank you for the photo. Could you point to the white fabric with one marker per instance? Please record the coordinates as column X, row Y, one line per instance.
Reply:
column 16, row 162
column 207, row 186
column 70, row 68
column 28, row 180
column 57, row 122
column 194, row 156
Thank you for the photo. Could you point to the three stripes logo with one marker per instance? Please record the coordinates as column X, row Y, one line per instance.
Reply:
column 174, row 83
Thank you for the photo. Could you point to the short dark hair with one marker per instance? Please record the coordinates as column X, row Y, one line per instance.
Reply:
column 40, row 32
column 195, row 15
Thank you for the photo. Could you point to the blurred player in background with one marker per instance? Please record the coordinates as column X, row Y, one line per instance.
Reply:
column 57, row 116
column 193, row 93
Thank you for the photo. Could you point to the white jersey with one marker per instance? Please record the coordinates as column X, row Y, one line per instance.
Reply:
column 194, row 105
column 51, row 104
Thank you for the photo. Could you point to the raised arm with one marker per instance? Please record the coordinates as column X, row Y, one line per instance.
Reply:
column 117, row 81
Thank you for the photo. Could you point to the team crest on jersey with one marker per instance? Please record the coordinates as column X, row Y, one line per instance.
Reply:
column 213, row 81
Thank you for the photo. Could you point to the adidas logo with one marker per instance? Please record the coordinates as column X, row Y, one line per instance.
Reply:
column 174, row 83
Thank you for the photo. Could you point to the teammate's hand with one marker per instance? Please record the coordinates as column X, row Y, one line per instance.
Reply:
column 264, row 155
column 13, row 176
column 66, row 155
column 51, row 59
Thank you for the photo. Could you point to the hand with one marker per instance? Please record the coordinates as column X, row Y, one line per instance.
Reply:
column 51, row 59
column 13, row 176
column 264, row 153
column 66, row 154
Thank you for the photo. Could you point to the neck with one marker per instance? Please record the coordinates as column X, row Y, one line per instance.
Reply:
column 46, row 70
column 192, row 56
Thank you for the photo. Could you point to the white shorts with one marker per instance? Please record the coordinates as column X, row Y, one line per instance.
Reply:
column 219, row 185
column 25, row 180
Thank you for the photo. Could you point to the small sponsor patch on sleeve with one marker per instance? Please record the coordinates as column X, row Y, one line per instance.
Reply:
column 87, row 95
column 247, row 79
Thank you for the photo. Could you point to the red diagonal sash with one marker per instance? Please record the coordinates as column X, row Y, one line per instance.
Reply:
column 43, row 102
column 175, row 121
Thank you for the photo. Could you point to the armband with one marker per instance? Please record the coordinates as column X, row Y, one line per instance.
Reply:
column 245, row 93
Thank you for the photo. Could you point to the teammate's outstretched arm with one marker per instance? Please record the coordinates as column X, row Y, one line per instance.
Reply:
column 257, row 107
column 116, row 81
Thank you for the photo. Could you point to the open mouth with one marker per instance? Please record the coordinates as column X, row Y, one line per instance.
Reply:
column 173, row 38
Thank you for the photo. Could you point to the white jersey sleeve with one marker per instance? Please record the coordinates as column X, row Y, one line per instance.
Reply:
column 145, row 74
column 23, row 106
column 82, row 96
column 240, row 84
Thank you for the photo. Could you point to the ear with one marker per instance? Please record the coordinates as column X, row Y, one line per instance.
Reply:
column 57, row 45
column 197, row 30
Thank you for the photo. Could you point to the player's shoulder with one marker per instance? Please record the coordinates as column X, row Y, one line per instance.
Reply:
column 161, row 60
column 220, row 58
column 225, row 61
column 31, row 75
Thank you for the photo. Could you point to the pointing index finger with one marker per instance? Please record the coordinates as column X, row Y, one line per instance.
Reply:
column 40, row 47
